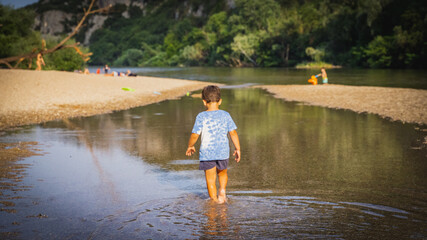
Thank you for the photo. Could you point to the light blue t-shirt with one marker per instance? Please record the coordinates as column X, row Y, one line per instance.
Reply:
column 213, row 127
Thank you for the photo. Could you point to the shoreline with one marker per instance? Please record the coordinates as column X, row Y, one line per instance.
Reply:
column 316, row 65
column 32, row 97
column 397, row 104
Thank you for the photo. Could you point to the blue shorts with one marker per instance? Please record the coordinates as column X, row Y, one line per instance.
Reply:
column 325, row 80
column 219, row 164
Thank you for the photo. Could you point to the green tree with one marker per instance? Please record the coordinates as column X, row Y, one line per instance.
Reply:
column 378, row 52
column 315, row 54
column 131, row 57
column 218, row 37
column 105, row 47
column 64, row 59
column 174, row 40
column 192, row 55
column 257, row 14
column 377, row 33
column 246, row 45
column 410, row 39
column 16, row 34
column 172, row 44
column 17, row 38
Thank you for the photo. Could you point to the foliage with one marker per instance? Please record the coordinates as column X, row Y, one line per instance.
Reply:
column 258, row 14
column 265, row 33
column 246, row 45
column 159, row 60
column 130, row 57
column 315, row 54
column 17, row 38
column 378, row 52
column 316, row 65
column 65, row 59
column 192, row 55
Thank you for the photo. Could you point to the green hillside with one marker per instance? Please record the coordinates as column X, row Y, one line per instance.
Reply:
column 264, row 33
column 268, row 33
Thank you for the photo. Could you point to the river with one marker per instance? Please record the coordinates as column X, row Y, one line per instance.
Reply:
column 234, row 76
column 306, row 171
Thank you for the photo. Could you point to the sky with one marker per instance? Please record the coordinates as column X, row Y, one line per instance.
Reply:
column 17, row 3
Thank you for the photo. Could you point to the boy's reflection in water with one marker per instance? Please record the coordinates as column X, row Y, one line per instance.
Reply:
column 217, row 220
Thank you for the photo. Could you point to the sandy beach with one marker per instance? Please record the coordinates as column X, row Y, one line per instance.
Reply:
column 31, row 97
column 398, row 104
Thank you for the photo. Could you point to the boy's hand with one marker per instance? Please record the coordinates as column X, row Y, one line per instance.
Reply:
column 190, row 151
column 191, row 142
column 236, row 155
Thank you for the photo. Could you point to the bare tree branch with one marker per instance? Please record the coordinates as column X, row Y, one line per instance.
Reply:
column 60, row 45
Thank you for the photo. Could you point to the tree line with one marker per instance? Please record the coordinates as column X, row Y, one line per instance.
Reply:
column 269, row 33
column 258, row 33
column 19, row 40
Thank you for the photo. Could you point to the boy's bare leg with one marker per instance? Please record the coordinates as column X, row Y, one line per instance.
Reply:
column 223, row 179
column 210, row 175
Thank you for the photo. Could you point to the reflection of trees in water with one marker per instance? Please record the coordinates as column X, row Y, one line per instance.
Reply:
column 12, row 172
column 84, row 138
column 293, row 146
column 285, row 146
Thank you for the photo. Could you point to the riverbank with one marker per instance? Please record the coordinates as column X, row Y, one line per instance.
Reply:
column 316, row 65
column 397, row 104
column 32, row 97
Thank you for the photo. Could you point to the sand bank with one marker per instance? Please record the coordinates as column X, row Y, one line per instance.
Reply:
column 30, row 97
column 397, row 104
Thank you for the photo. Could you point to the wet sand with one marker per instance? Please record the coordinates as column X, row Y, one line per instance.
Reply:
column 397, row 104
column 31, row 97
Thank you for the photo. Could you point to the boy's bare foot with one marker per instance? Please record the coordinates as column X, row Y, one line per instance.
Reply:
column 222, row 198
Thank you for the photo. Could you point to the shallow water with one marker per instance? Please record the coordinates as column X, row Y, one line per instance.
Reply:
column 409, row 78
column 306, row 172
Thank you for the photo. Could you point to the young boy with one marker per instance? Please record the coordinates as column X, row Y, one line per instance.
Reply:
column 324, row 75
column 214, row 124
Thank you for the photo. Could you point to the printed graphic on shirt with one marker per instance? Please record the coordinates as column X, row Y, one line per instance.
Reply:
column 213, row 127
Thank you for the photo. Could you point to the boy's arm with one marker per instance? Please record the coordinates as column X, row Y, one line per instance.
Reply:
column 235, row 140
column 191, row 149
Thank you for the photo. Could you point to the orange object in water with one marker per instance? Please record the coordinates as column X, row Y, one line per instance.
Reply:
column 313, row 80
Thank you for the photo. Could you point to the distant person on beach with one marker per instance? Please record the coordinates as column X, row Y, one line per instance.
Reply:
column 106, row 69
column 98, row 71
column 39, row 62
column 324, row 75
column 130, row 74
column 214, row 125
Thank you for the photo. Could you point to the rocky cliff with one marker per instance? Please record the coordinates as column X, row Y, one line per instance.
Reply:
column 54, row 18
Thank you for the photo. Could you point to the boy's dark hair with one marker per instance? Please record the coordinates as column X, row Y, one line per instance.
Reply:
column 211, row 93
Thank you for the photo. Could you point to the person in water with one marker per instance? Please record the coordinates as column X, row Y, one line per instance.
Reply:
column 213, row 125
column 324, row 75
